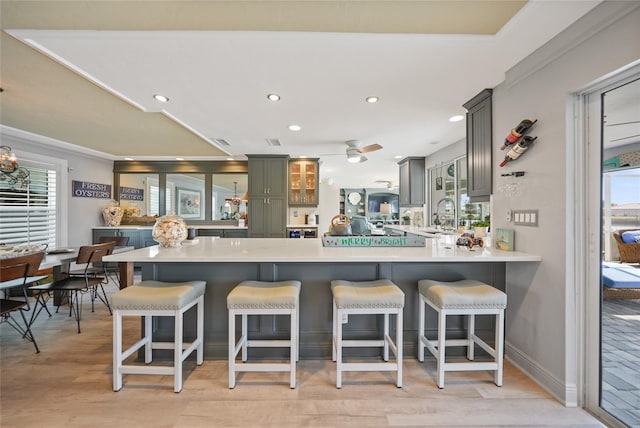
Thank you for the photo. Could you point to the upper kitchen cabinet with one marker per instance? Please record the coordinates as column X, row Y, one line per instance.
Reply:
column 412, row 180
column 303, row 182
column 267, row 207
column 479, row 140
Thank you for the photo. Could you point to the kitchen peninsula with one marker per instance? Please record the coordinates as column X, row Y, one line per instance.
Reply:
column 223, row 263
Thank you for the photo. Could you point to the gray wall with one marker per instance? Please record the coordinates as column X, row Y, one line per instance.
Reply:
column 538, row 312
column 83, row 213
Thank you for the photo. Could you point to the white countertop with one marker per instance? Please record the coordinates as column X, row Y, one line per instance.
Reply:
column 282, row 250
column 201, row 226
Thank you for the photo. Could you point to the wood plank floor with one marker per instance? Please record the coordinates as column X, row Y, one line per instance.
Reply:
column 69, row 385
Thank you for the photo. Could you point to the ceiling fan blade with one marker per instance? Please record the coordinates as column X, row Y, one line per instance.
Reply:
column 370, row 148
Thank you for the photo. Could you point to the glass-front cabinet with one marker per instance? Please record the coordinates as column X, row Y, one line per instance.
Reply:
column 303, row 182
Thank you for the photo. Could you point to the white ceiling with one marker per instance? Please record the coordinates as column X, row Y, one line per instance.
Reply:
column 217, row 82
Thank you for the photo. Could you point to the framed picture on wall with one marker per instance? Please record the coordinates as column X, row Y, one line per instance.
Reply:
column 189, row 203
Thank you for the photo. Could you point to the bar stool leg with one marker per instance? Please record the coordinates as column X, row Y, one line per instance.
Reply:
column 148, row 337
column 442, row 339
column 232, row 347
column 470, row 332
column 399, row 346
column 117, row 351
column 200, row 328
column 499, row 346
column 177, row 351
column 339, row 349
column 244, row 337
column 293, row 351
column 335, row 332
column 385, row 349
column 421, row 320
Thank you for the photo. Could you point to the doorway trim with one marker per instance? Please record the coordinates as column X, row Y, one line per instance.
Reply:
column 583, row 206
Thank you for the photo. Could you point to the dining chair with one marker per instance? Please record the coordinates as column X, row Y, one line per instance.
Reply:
column 112, row 268
column 74, row 286
column 19, row 272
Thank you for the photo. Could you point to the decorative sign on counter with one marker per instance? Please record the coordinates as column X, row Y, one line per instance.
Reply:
column 374, row 241
column 84, row 189
column 131, row 194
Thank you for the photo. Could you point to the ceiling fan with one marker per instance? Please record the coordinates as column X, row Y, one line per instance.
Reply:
column 355, row 151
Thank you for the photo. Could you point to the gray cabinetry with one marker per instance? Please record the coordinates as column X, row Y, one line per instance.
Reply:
column 138, row 238
column 267, row 209
column 223, row 233
column 479, row 140
column 412, row 181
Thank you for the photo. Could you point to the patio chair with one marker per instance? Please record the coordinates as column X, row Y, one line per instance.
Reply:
column 629, row 252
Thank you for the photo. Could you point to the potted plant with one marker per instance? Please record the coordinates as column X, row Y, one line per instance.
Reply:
column 480, row 228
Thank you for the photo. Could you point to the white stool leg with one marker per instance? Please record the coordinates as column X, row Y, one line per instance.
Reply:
column 297, row 332
column 177, row 351
column 339, row 348
column 148, row 335
column 232, row 347
column 293, row 352
column 334, row 335
column 200, row 328
column 399, row 345
column 385, row 353
column 421, row 315
column 244, row 337
column 470, row 332
column 442, row 333
column 117, row 350
column 499, row 344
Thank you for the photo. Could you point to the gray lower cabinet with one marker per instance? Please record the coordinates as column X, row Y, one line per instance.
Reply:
column 412, row 182
column 224, row 233
column 479, row 140
column 267, row 208
column 138, row 238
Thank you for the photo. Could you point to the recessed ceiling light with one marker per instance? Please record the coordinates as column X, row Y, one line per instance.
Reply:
column 372, row 99
column 161, row 98
column 397, row 157
column 294, row 127
column 179, row 158
column 128, row 158
column 456, row 118
column 273, row 97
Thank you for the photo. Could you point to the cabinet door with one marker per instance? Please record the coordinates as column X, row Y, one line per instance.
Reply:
column 257, row 174
column 257, row 218
column 416, row 180
column 276, row 220
column 303, row 183
column 404, row 191
column 276, row 176
column 479, row 140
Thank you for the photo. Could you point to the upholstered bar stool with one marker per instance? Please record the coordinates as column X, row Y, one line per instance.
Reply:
column 381, row 297
column 150, row 299
column 466, row 297
column 263, row 298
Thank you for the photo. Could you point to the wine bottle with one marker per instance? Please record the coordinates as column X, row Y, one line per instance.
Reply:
column 517, row 132
column 518, row 149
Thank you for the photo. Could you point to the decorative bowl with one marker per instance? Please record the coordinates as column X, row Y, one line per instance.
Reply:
column 169, row 231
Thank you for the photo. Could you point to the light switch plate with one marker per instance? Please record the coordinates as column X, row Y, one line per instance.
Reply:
column 525, row 217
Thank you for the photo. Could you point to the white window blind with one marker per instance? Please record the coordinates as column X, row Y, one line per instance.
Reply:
column 28, row 212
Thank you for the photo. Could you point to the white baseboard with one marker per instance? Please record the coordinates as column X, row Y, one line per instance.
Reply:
column 566, row 394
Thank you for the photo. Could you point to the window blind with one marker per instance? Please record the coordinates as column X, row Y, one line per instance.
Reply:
column 28, row 212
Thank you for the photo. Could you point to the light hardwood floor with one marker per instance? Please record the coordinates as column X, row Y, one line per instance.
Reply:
column 69, row 385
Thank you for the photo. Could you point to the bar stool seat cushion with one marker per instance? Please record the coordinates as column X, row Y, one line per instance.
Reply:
column 381, row 293
column 464, row 294
column 264, row 295
column 157, row 295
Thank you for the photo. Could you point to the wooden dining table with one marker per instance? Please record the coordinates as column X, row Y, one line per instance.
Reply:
column 60, row 260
